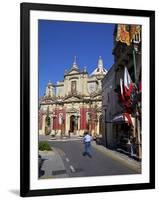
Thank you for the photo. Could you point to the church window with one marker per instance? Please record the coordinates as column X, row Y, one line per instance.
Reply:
column 73, row 86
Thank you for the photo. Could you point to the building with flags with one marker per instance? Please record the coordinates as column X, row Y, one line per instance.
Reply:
column 108, row 107
column 122, row 91
column 74, row 104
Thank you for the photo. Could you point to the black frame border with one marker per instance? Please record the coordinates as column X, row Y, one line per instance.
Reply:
column 25, row 9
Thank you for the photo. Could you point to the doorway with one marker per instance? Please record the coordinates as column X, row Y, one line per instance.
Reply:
column 47, row 125
column 72, row 123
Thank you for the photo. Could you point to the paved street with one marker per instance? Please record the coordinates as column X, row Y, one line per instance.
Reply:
column 76, row 165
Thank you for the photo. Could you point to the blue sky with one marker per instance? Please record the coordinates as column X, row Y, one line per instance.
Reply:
column 59, row 42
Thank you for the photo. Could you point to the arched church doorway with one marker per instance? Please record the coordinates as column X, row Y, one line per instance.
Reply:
column 47, row 125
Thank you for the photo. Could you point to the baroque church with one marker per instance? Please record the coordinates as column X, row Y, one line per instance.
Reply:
column 74, row 104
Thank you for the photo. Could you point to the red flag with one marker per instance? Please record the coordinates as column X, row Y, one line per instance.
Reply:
column 140, row 86
column 126, row 89
column 128, row 117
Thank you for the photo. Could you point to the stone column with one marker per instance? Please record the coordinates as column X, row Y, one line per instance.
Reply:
column 67, row 121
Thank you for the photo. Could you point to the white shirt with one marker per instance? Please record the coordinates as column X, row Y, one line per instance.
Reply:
column 87, row 138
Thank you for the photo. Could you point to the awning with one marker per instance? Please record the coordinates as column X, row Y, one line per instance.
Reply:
column 118, row 118
column 122, row 118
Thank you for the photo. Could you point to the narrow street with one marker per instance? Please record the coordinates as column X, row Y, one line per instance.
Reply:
column 77, row 165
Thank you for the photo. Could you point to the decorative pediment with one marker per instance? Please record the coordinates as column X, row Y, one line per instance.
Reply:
column 73, row 71
column 72, row 110
column 46, row 100
column 72, row 98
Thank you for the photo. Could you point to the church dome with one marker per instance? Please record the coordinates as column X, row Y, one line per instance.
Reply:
column 100, row 70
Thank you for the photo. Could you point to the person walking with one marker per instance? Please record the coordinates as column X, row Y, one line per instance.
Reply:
column 87, row 144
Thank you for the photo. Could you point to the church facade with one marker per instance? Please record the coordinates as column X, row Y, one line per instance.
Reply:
column 74, row 104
